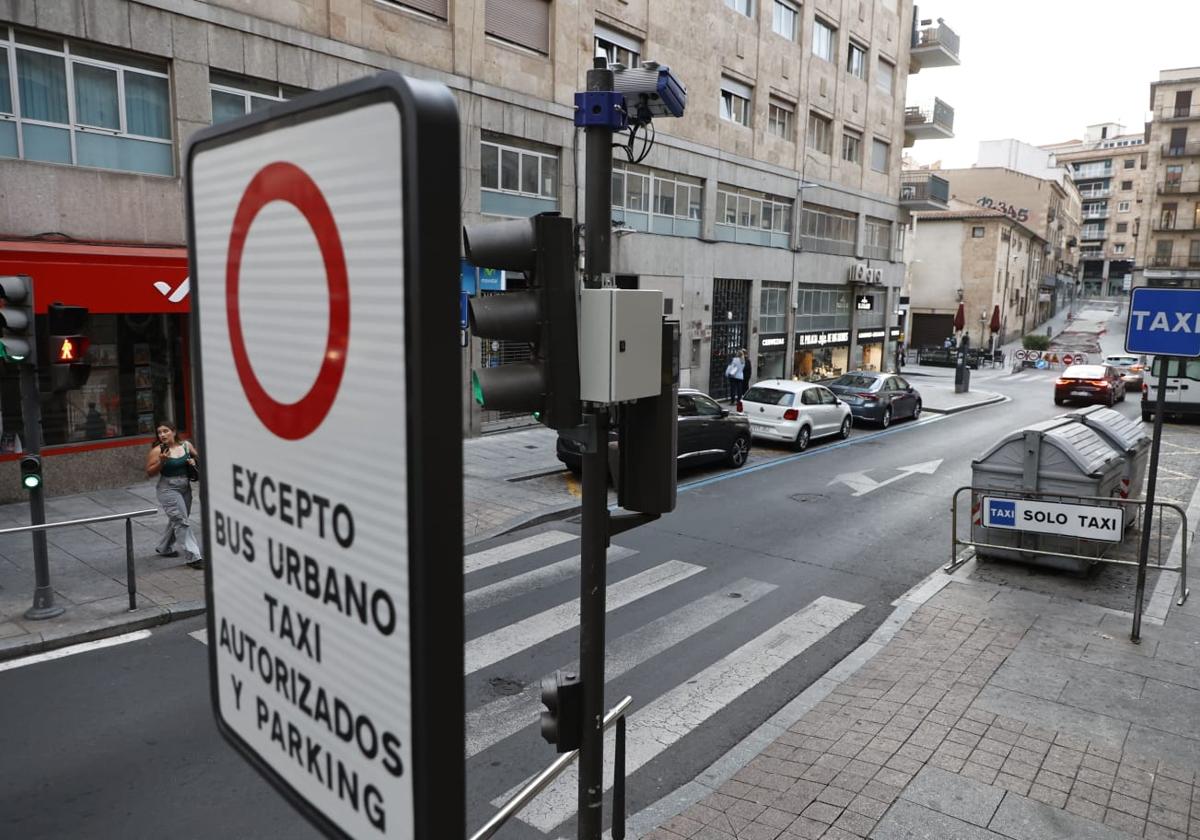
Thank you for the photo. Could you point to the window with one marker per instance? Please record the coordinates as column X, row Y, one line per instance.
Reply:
column 885, row 74
column 856, row 61
column 783, row 20
column 1127, row 185
column 618, row 47
column 1122, row 227
column 851, row 146
column 434, row 8
column 235, row 96
column 878, row 238
column 82, row 104
column 753, row 217
column 1119, row 248
column 779, row 119
column 977, row 232
column 880, row 151
column 1122, row 206
column 740, row 6
column 1174, row 178
column 1194, row 254
column 735, row 101
column 654, row 201
column 772, row 309
column 1162, row 251
column 1129, row 163
column 828, row 230
column 820, row 133
column 515, row 180
column 525, row 23
column 823, row 40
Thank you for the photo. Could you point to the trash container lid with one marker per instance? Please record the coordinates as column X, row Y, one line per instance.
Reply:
column 1123, row 431
column 1080, row 444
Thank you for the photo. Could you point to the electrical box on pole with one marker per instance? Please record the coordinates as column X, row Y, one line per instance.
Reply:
column 545, row 316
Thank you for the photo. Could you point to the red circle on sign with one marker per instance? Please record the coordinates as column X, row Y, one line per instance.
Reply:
column 286, row 182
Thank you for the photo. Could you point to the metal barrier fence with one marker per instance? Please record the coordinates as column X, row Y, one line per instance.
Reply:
column 130, row 575
column 539, row 782
column 1123, row 553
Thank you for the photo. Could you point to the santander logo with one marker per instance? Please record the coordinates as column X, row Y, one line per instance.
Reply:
column 178, row 293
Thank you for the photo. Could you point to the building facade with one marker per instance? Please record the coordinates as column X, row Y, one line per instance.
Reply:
column 761, row 215
column 1172, row 254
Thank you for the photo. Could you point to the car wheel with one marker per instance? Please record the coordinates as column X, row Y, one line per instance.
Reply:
column 739, row 451
column 1059, row 401
column 917, row 411
column 1110, row 399
column 802, row 438
column 1147, row 416
column 845, row 430
column 886, row 419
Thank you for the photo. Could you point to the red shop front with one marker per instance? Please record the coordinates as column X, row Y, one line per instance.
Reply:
column 138, row 301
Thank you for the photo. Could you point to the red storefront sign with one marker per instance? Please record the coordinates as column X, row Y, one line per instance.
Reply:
column 110, row 279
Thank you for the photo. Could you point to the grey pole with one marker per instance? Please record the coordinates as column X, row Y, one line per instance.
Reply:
column 31, row 412
column 1148, row 515
column 594, row 531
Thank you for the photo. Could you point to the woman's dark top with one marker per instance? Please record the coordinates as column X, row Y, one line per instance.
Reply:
column 175, row 467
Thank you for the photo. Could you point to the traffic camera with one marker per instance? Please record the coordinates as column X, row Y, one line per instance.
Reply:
column 562, row 722
column 17, row 338
column 545, row 316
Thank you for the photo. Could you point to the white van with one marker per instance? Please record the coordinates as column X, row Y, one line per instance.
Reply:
column 1183, row 388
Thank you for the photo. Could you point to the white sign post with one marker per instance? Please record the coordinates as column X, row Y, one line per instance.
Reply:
column 1091, row 522
column 322, row 331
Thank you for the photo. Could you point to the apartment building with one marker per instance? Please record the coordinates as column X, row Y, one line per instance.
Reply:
column 1109, row 166
column 752, row 213
column 1173, row 182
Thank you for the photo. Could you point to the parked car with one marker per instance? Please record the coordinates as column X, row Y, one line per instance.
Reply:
column 707, row 432
column 1182, row 397
column 878, row 397
column 794, row 412
column 1089, row 383
column 1131, row 369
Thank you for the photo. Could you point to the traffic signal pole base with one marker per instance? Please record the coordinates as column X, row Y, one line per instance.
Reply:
column 44, row 606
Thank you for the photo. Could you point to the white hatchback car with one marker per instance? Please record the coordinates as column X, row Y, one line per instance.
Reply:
column 794, row 412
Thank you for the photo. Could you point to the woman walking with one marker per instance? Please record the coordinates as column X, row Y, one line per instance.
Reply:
column 169, row 459
column 733, row 373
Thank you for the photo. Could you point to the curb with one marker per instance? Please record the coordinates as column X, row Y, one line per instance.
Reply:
column 958, row 409
column 528, row 521
column 140, row 619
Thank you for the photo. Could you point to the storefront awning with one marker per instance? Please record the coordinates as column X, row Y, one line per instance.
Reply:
column 105, row 278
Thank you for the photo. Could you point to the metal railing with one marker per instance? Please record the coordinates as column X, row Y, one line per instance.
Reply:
column 939, row 114
column 1170, row 261
column 1123, row 553
column 1179, row 187
column 1181, row 150
column 1082, row 174
column 921, row 186
column 130, row 575
column 936, row 36
column 1092, row 234
column 1095, row 214
column 1104, row 193
column 1175, row 225
column 1173, row 112
column 542, row 780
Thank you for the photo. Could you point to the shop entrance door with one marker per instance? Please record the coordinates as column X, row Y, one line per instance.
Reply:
column 730, row 330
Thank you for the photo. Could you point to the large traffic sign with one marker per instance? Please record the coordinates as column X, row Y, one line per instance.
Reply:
column 1164, row 322
column 327, row 366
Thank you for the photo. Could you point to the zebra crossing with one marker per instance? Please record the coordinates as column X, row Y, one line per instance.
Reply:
column 713, row 604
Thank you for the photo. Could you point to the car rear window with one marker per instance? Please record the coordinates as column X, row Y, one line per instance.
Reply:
column 1122, row 361
column 1084, row 372
column 769, row 396
column 855, row 381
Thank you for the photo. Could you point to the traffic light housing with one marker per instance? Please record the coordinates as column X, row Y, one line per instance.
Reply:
column 648, row 431
column 546, row 316
column 18, row 340
column 562, row 722
column 68, row 346
column 31, row 472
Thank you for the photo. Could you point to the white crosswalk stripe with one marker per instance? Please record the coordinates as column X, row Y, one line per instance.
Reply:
column 663, row 721
column 509, row 551
column 490, row 724
column 543, row 576
column 513, row 638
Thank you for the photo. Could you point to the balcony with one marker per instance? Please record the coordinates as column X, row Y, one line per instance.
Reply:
column 1104, row 193
column 1184, row 261
column 1085, row 173
column 1186, row 150
column 924, row 191
column 928, row 123
column 1174, row 226
column 1179, row 188
column 1095, row 214
column 932, row 46
column 1171, row 112
column 1093, row 234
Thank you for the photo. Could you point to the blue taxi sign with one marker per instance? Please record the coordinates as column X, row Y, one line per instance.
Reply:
column 1164, row 322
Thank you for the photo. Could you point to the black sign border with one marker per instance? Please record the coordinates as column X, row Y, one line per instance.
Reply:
column 431, row 171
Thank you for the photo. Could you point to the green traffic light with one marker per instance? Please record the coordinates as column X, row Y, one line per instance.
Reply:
column 476, row 388
column 31, row 481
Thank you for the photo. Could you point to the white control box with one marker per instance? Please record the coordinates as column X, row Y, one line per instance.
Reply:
column 620, row 344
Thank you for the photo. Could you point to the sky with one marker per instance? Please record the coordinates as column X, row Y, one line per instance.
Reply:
column 1042, row 70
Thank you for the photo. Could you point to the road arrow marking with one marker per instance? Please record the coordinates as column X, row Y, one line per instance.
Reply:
column 862, row 484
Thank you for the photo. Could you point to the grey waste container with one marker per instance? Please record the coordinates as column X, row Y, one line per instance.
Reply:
column 1125, row 435
column 1055, row 456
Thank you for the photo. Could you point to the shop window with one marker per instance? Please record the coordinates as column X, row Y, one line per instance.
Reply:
column 136, row 380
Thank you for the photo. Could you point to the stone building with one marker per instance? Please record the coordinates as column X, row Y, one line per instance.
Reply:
column 751, row 214
column 1172, row 255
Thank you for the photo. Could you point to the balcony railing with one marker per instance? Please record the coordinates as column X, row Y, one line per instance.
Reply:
column 1183, row 150
column 936, row 36
column 1173, row 261
column 1179, row 187
column 1095, row 214
column 940, row 114
column 1082, row 174
column 1093, row 233
column 1171, row 112
column 1104, row 193
column 1175, row 226
column 924, row 187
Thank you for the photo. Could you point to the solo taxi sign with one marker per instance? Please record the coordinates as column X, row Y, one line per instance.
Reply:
column 333, row 542
column 1092, row 522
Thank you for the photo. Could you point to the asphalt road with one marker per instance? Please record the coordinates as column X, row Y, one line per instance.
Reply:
column 121, row 742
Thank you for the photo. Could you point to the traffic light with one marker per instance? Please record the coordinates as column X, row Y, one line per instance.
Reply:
column 648, row 430
column 562, row 723
column 18, row 341
column 31, row 472
column 68, row 346
column 546, row 316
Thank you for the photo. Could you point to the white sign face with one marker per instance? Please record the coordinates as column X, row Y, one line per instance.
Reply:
column 1091, row 522
column 300, row 282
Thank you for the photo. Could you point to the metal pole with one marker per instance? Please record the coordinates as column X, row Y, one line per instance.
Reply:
column 594, row 533
column 618, row 801
column 1148, row 516
column 31, row 411
column 130, row 579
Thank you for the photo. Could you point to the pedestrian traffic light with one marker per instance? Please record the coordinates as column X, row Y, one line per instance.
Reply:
column 546, row 316
column 31, row 471
column 17, row 340
column 68, row 346
column 562, row 723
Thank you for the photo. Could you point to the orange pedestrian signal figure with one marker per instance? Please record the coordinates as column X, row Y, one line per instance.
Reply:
column 66, row 353
column 69, row 349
